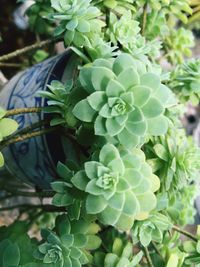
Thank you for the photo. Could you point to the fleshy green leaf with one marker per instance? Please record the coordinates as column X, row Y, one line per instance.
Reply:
column 83, row 111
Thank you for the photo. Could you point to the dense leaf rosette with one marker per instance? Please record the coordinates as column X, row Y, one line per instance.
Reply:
column 124, row 100
column 151, row 229
column 120, row 187
column 76, row 19
column 175, row 159
column 185, row 81
column 67, row 245
column 121, row 254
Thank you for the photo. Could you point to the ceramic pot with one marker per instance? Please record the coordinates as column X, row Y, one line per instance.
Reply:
column 34, row 160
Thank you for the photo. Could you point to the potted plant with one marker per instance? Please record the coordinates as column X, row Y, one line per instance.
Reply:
column 125, row 185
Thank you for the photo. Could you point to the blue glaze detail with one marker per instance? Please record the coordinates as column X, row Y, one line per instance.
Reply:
column 30, row 160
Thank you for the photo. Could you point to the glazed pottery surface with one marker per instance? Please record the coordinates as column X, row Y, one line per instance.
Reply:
column 33, row 160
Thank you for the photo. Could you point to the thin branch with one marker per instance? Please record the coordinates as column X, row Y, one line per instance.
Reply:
column 156, row 249
column 17, row 111
column 148, row 257
column 48, row 208
column 32, row 127
column 28, row 129
column 144, row 18
column 185, row 233
column 26, row 49
column 26, row 136
column 11, row 65
column 14, row 193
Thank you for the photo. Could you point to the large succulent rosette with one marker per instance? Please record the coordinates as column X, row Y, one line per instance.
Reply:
column 120, row 186
column 124, row 100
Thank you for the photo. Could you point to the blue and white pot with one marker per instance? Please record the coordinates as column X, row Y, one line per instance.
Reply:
column 34, row 160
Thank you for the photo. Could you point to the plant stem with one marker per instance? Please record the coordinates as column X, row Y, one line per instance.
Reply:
column 144, row 18
column 26, row 136
column 11, row 65
column 49, row 208
column 17, row 111
column 185, row 233
column 25, row 50
column 156, row 249
column 32, row 127
column 148, row 257
column 27, row 129
column 14, row 193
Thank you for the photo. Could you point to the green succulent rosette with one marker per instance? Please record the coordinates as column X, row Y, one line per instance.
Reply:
column 185, row 81
column 151, row 229
column 121, row 254
column 69, row 244
column 120, row 187
column 124, row 30
column 76, row 19
column 124, row 100
column 175, row 159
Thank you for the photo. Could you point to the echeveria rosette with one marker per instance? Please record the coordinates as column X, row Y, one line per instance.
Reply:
column 185, row 81
column 77, row 20
column 120, row 254
column 124, row 100
column 69, row 244
column 123, row 30
column 120, row 187
column 151, row 229
column 175, row 159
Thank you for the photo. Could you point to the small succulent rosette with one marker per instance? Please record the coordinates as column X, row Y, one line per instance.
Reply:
column 120, row 187
column 125, row 102
column 69, row 244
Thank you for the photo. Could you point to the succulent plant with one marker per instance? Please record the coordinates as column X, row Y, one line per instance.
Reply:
column 185, row 81
column 14, row 242
column 58, row 102
column 178, row 44
column 69, row 243
column 7, row 127
column 119, row 6
column 123, row 30
column 181, row 209
column 124, row 100
column 37, row 17
column 121, row 255
column 156, row 25
column 175, row 159
column 175, row 7
column 120, row 186
column 76, row 20
column 151, row 229
column 192, row 249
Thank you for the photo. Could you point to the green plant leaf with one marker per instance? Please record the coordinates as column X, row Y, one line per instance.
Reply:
column 7, row 126
column 83, row 111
